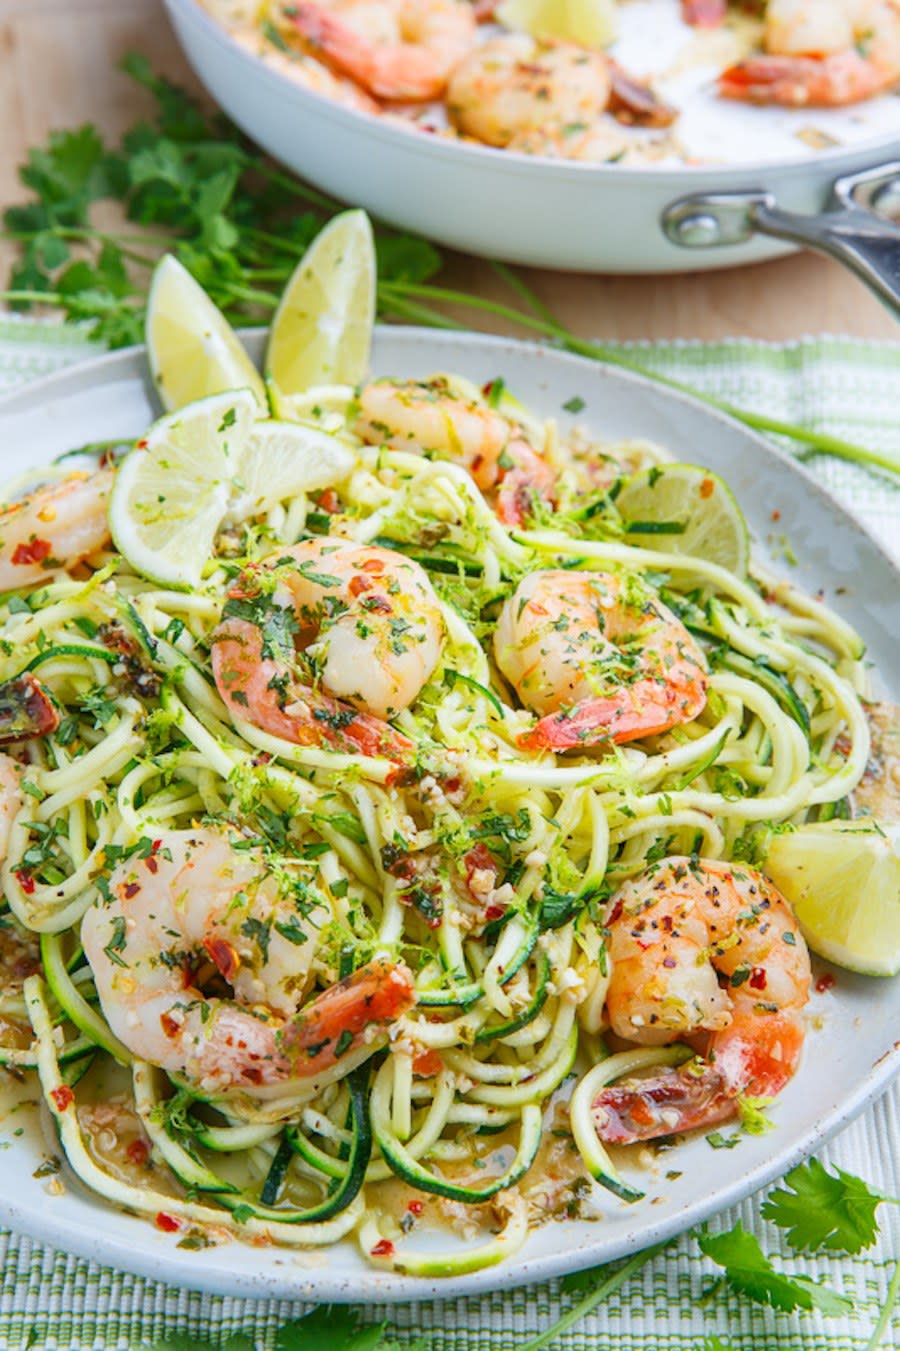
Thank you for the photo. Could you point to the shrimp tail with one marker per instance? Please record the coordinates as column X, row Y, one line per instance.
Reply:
column 26, row 710
column 803, row 81
column 704, row 13
column 754, row 1056
column 672, row 1100
column 353, row 1013
column 404, row 73
column 633, row 102
column 615, row 720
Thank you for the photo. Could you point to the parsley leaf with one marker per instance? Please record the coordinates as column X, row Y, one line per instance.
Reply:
column 818, row 1209
column 749, row 1271
column 330, row 1327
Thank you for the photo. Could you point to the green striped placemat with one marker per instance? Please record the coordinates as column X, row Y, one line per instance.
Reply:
column 53, row 1301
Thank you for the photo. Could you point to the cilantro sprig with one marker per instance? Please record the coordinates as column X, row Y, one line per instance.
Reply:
column 818, row 1210
column 190, row 182
column 750, row 1272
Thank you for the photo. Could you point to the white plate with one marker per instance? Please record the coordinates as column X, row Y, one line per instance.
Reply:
column 846, row 1064
column 527, row 209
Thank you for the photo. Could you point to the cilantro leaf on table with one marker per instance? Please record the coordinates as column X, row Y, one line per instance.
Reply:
column 749, row 1271
column 822, row 1210
column 330, row 1327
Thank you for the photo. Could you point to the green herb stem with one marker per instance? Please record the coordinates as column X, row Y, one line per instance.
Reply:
column 608, row 1287
column 884, row 1317
column 550, row 328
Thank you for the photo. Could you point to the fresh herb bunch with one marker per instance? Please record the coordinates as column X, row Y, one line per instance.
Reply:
column 820, row 1212
column 196, row 186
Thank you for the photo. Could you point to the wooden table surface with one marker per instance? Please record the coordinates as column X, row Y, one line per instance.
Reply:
column 58, row 68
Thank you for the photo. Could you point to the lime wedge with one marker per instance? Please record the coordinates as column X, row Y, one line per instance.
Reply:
column 590, row 23
column 843, row 880
column 683, row 509
column 283, row 459
column 193, row 350
column 322, row 329
column 172, row 491
column 235, row 12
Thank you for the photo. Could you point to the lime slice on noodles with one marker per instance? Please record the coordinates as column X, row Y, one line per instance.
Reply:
column 843, row 880
column 684, row 509
column 171, row 493
column 210, row 460
column 590, row 23
column 322, row 331
column 193, row 350
column 280, row 460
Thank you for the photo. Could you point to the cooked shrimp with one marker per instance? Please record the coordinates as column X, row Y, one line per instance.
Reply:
column 675, row 932
column 704, row 13
column 192, row 899
column 514, row 86
column 369, row 632
column 428, row 417
column 534, row 96
column 26, row 709
column 821, row 52
column 403, row 50
column 599, row 658
column 283, row 55
column 54, row 527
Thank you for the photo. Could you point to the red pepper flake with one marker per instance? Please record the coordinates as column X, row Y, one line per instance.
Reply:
column 329, row 501
column 141, row 445
column 416, row 1207
column 62, row 1096
column 167, row 1223
column 138, row 1151
column 493, row 912
column 642, row 1114
column 35, row 551
column 479, row 859
column 451, row 785
column 25, row 881
column 758, row 978
column 359, row 584
column 376, row 567
column 131, row 889
column 226, row 959
column 152, row 865
column 707, row 488
column 383, row 1248
column 824, row 983
column 428, row 1063
column 169, row 1025
column 776, row 515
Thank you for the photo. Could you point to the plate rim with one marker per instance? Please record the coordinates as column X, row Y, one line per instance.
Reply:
column 880, row 147
column 156, row 1257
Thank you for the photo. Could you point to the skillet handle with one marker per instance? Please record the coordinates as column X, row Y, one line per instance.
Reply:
column 855, row 227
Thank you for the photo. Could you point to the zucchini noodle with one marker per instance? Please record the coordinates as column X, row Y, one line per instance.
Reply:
column 484, row 868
